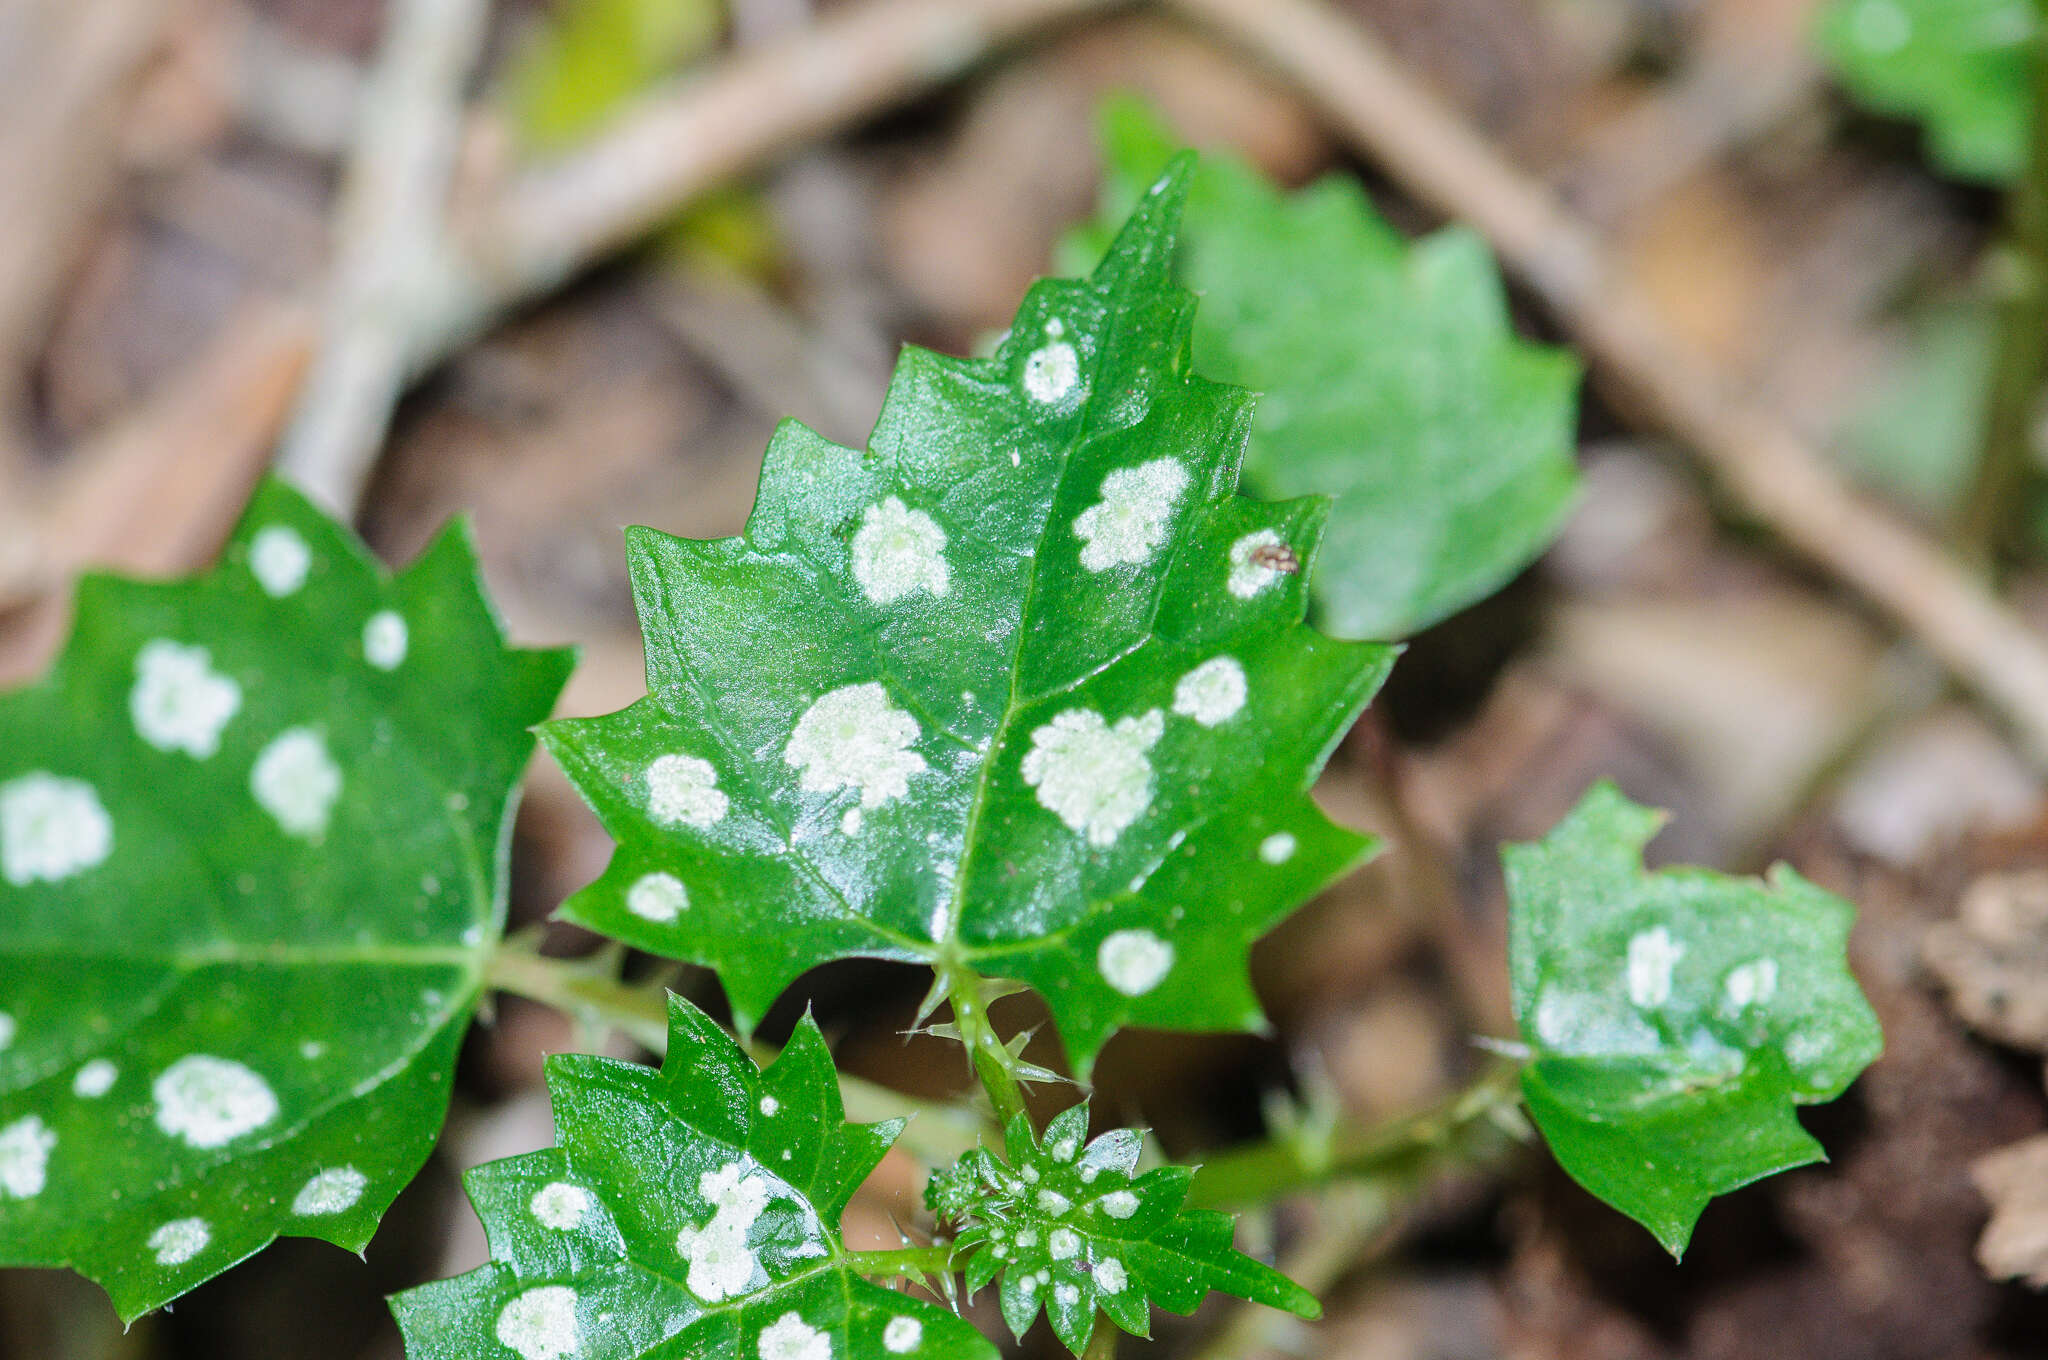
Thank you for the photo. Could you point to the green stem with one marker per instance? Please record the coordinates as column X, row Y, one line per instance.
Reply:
column 1103, row 1340
column 902, row 1261
column 937, row 1134
column 993, row 1062
column 1409, row 1149
column 1989, row 523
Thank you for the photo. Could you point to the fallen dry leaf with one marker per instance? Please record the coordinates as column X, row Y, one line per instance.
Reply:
column 2015, row 1180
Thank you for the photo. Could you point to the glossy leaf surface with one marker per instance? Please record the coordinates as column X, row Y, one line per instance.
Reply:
column 252, row 847
column 1391, row 379
column 1677, row 1017
column 1024, row 688
column 686, row 1214
column 1065, row 1226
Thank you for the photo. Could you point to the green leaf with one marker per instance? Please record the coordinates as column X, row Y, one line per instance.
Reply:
column 252, row 850
column 1676, row 1017
column 1023, row 689
column 1070, row 1229
column 1392, row 377
column 686, row 1214
column 1957, row 66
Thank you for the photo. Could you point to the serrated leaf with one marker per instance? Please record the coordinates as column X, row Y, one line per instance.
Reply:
column 1062, row 1224
column 252, row 850
column 1676, row 1017
column 1957, row 66
column 1392, row 380
column 686, row 1214
column 1023, row 689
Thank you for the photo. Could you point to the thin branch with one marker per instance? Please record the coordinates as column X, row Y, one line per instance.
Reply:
column 1767, row 468
column 1989, row 523
column 393, row 201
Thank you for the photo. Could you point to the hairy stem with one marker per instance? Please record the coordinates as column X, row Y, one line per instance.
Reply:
column 1989, row 523
column 937, row 1134
column 993, row 1062
column 1407, row 1151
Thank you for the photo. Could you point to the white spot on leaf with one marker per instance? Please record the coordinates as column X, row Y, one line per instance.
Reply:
column 51, row 829
column 386, row 640
column 720, row 1264
column 296, row 782
column 855, row 737
column 1248, row 575
column 1067, row 1295
column 657, row 897
column 1051, row 372
column 1129, row 523
column 1277, row 848
column 95, row 1079
column 1652, row 955
column 1064, row 1244
column 25, row 1147
column 1134, row 961
column 332, row 1191
column 1109, row 1275
column 279, row 559
column 206, row 1101
column 1752, row 983
column 541, row 1323
column 899, row 551
column 560, row 1205
column 902, row 1335
column 179, row 702
column 1094, row 777
column 769, row 1105
column 7, row 1031
column 180, row 1240
column 1119, row 1204
column 1587, row 1024
column 683, row 791
column 1212, row 692
column 789, row 1337
column 1053, row 1202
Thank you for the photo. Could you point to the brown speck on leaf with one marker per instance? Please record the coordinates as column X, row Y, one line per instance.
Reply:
column 1277, row 557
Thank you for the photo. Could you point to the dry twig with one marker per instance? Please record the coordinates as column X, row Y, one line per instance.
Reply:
column 1766, row 466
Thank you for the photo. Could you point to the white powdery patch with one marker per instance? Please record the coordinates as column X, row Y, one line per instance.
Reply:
column 1051, row 372
column 1652, row 955
column 279, row 558
column 898, row 552
column 206, row 1101
column 332, row 1191
column 720, row 1264
column 25, row 1147
column 789, row 1337
column 560, row 1205
column 1053, row 1202
column 1109, row 1275
column 1065, row 1148
column 51, row 828
column 657, row 897
column 902, row 1335
column 683, row 791
column 541, row 1323
column 1212, row 692
column 180, row 703
column 95, row 1079
column 179, row 1240
column 1277, row 848
column 769, row 1105
column 855, row 737
column 8, row 1028
column 1119, row 1204
column 1067, row 1294
column 1094, row 777
column 386, row 640
column 1129, row 523
column 1064, row 1244
column 1590, row 1023
column 1249, row 575
column 1134, row 961
column 1752, row 983
column 296, row 782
